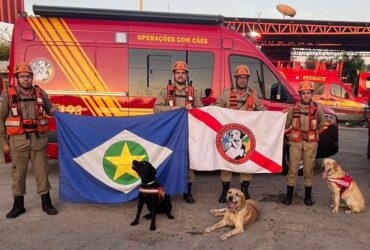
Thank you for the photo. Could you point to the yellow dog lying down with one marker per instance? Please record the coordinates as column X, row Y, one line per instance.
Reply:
column 239, row 212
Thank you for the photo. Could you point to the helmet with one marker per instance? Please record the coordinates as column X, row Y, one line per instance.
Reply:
column 242, row 70
column 23, row 67
column 180, row 65
column 305, row 85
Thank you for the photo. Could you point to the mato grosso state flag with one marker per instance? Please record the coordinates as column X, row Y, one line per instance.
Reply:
column 234, row 140
column 96, row 154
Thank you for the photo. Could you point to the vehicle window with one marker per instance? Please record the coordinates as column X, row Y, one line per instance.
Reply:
column 262, row 79
column 318, row 88
column 150, row 70
column 338, row 91
column 269, row 80
column 254, row 65
column 201, row 71
column 367, row 84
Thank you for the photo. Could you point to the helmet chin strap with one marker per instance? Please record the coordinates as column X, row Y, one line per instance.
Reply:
column 239, row 88
column 20, row 85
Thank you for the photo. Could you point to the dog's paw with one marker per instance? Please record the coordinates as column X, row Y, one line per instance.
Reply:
column 332, row 205
column 208, row 230
column 348, row 211
column 135, row 222
column 213, row 211
column 335, row 210
column 152, row 228
column 224, row 237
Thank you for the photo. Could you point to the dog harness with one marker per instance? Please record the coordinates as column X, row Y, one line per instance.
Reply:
column 160, row 191
column 343, row 182
column 312, row 134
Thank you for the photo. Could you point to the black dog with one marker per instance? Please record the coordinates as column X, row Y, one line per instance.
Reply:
column 151, row 193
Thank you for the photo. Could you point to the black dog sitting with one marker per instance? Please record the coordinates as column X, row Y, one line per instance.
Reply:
column 151, row 193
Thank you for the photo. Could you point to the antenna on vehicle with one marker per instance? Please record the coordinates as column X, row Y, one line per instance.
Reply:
column 259, row 14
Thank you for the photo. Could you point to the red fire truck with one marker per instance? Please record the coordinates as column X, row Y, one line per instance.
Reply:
column 114, row 63
column 363, row 88
column 329, row 90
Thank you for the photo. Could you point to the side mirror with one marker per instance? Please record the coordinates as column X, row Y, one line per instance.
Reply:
column 1, row 84
column 207, row 92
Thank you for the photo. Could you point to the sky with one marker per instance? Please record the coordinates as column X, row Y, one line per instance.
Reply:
column 333, row 10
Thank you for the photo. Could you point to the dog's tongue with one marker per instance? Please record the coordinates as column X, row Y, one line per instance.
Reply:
column 230, row 205
column 324, row 175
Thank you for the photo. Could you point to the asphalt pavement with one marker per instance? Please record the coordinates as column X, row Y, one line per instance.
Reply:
column 91, row 226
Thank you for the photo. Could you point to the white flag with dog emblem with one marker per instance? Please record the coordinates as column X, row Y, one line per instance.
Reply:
column 111, row 162
column 234, row 140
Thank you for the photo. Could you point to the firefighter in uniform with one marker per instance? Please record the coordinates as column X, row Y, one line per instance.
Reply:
column 23, row 127
column 240, row 98
column 305, row 121
column 180, row 95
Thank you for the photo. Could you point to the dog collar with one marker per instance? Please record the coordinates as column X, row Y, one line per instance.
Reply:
column 149, row 183
column 160, row 191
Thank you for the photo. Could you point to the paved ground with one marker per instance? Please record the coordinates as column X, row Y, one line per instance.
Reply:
column 87, row 226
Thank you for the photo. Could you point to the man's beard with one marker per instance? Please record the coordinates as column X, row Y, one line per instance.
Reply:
column 183, row 82
column 238, row 87
column 22, row 87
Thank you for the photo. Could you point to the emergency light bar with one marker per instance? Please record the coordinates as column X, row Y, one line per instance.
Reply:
column 89, row 13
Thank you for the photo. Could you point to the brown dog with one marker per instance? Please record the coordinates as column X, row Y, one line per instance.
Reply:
column 238, row 213
column 342, row 186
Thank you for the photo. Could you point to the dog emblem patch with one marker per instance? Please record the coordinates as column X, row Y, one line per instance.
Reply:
column 43, row 70
column 117, row 161
column 235, row 143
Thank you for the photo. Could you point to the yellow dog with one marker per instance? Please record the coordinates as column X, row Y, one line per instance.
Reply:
column 239, row 212
column 342, row 186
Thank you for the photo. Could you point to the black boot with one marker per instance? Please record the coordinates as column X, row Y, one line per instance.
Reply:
column 188, row 197
column 47, row 207
column 289, row 195
column 244, row 188
column 18, row 208
column 307, row 196
column 225, row 188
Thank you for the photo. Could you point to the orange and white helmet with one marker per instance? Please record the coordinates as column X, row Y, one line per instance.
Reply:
column 242, row 70
column 23, row 67
column 305, row 85
column 180, row 65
